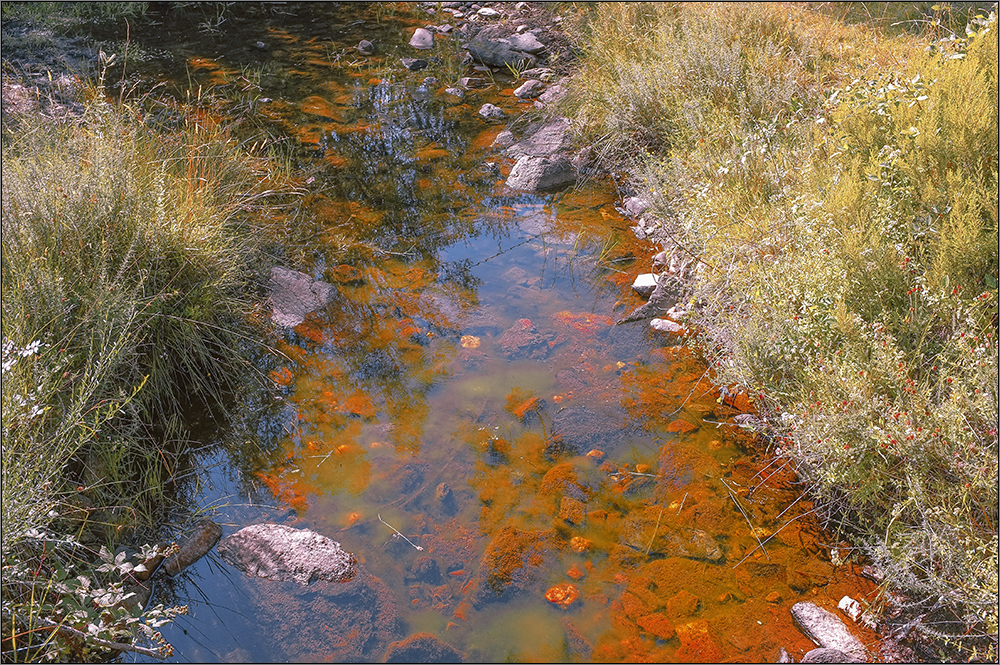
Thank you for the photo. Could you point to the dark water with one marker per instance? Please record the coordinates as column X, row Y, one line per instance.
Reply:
column 468, row 388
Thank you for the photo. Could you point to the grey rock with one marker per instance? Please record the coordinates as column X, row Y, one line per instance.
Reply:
column 294, row 294
column 431, row 80
column 552, row 95
column 499, row 54
column 365, row 47
column 822, row 655
column 504, row 139
column 528, row 89
column 445, row 29
column 543, row 74
column 641, row 533
column 470, row 82
column 414, row 64
column 635, row 205
column 526, row 42
column 541, row 174
column 486, row 11
column 644, row 284
column 524, row 340
column 457, row 92
column 543, row 140
column 278, row 552
column 491, row 112
column 826, row 630
column 422, row 39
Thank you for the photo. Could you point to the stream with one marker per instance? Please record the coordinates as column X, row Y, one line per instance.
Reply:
column 517, row 475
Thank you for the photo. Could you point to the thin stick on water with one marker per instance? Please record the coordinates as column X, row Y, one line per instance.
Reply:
column 753, row 531
column 655, row 529
column 682, row 503
column 416, row 547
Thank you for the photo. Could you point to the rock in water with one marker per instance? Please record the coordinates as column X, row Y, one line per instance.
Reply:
column 365, row 47
column 827, row 631
column 294, row 294
column 828, row 656
column 541, row 174
column 193, row 546
column 278, row 552
column 422, row 648
column 491, row 112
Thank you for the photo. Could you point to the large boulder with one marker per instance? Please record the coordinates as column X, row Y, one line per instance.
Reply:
column 541, row 174
column 294, row 294
column 500, row 54
column 278, row 552
column 543, row 140
column 826, row 630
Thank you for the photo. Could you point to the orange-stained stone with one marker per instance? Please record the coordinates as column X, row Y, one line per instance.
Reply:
column 580, row 544
column 643, row 468
column 596, row 455
column 681, row 427
column 563, row 595
column 575, row 573
column 352, row 518
column 658, row 625
column 462, row 609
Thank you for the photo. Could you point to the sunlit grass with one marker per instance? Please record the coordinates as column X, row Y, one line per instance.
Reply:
column 837, row 187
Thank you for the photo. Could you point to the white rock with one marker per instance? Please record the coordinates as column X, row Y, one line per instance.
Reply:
column 826, row 630
column 528, row 89
column 666, row 325
column 644, row 284
column 422, row 39
column 526, row 42
column 850, row 607
column 486, row 11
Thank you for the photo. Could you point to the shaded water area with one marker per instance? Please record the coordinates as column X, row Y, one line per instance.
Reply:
column 469, row 388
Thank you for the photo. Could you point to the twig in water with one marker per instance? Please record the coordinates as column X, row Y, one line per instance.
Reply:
column 753, row 532
column 655, row 529
column 682, row 503
column 416, row 547
column 772, row 536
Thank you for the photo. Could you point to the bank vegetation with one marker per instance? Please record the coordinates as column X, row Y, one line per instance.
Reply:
column 835, row 184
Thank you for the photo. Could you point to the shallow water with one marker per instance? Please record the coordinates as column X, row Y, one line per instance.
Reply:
column 458, row 385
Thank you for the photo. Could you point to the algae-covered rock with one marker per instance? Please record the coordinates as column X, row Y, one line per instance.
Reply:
column 513, row 561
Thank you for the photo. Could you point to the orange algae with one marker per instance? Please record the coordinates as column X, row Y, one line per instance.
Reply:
column 579, row 544
column 584, row 322
column 282, row 377
column 563, row 595
column 284, row 491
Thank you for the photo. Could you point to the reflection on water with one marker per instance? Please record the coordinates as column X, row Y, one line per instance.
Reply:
column 568, row 489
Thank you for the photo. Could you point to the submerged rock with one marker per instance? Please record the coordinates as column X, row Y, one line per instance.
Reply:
column 295, row 294
column 524, row 340
column 642, row 533
column 414, row 64
column 423, row 648
column 513, row 561
column 194, row 545
column 826, row 630
column 278, row 552
column 365, row 47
